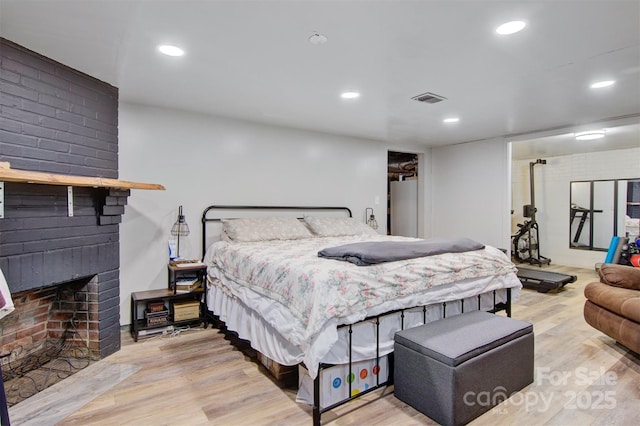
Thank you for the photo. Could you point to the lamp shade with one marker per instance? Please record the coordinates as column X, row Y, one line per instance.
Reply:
column 371, row 218
column 180, row 227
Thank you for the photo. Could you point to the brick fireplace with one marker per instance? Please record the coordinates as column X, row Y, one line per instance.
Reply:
column 43, row 316
column 61, row 265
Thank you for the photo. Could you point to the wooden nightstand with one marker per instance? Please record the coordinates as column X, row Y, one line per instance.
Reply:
column 186, row 277
column 183, row 302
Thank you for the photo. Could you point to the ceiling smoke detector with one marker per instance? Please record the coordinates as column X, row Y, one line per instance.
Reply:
column 317, row 38
column 429, row 98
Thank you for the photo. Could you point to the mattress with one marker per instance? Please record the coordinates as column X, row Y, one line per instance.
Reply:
column 291, row 304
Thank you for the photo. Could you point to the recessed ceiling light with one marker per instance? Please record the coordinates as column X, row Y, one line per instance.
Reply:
column 451, row 120
column 511, row 27
column 170, row 50
column 590, row 135
column 603, row 83
column 317, row 38
column 350, row 95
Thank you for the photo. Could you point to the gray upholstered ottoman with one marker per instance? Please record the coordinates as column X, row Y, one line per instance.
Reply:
column 457, row 368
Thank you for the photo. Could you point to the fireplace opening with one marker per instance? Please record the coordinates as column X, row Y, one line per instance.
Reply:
column 48, row 337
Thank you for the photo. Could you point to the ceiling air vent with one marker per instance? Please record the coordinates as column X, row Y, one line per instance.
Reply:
column 429, row 98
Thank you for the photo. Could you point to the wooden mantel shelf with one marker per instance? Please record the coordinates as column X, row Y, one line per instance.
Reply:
column 7, row 174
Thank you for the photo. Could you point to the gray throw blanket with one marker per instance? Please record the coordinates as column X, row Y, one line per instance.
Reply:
column 373, row 252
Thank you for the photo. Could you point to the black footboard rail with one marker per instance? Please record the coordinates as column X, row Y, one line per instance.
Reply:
column 318, row 410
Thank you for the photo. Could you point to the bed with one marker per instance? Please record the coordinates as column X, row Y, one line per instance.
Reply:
column 333, row 318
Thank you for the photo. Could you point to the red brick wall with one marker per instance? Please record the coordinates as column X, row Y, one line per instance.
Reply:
column 45, row 313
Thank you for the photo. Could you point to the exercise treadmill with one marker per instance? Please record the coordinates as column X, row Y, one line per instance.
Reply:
column 543, row 281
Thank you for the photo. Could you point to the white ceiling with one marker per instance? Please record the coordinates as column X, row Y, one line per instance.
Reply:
column 252, row 60
column 621, row 134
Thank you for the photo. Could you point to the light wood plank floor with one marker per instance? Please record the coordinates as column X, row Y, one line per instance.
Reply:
column 200, row 378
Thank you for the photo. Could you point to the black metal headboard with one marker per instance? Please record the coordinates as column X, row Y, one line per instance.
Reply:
column 232, row 212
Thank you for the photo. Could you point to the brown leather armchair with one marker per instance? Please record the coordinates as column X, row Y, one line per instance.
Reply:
column 613, row 304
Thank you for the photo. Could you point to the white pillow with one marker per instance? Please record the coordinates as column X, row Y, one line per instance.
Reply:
column 337, row 226
column 264, row 229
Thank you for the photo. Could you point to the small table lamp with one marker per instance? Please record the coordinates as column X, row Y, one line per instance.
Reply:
column 180, row 228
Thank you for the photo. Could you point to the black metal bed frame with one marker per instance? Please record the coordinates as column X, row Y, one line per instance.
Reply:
column 317, row 410
column 206, row 211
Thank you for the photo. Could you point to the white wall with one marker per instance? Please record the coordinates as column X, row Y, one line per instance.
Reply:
column 552, row 197
column 465, row 189
column 204, row 160
column 471, row 191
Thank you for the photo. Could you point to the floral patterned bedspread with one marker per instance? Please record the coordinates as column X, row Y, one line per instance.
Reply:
column 317, row 290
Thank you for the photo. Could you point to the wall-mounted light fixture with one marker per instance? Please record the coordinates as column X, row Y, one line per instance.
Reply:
column 180, row 228
column 371, row 218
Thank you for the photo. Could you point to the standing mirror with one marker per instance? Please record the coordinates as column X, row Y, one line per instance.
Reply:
column 601, row 209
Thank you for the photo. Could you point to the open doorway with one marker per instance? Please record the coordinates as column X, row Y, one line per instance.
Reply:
column 402, row 194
